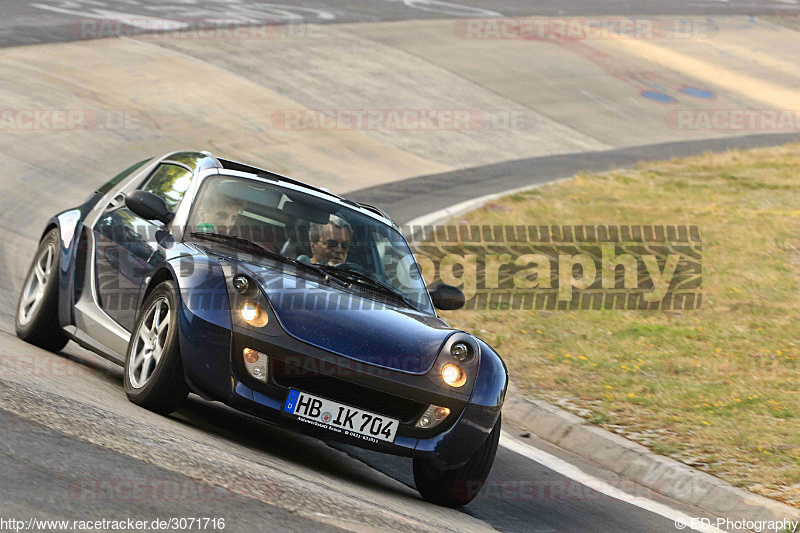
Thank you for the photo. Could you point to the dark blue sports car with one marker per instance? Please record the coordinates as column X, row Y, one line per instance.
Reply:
column 306, row 309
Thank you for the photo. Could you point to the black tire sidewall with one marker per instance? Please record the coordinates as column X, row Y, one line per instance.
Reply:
column 43, row 328
column 160, row 381
column 451, row 488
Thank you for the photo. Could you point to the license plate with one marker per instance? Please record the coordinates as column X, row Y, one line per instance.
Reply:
column 340, row 418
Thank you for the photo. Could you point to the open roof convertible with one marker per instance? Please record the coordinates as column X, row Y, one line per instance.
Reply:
column 274, row 297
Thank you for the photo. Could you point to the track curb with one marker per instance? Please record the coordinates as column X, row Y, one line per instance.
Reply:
column 637, row 463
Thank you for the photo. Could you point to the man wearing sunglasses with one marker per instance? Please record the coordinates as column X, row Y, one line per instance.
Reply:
column 330, row 242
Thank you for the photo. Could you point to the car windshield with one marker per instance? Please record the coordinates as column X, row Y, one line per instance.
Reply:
column 309, row 229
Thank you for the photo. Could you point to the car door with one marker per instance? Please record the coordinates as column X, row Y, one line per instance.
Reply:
column 126, row 243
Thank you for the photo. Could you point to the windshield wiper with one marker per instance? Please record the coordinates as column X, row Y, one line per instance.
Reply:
column 366, row 279
column 239, row 242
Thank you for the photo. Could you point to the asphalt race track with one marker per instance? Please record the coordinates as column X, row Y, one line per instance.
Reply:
column 73, row 447
column 55, row 20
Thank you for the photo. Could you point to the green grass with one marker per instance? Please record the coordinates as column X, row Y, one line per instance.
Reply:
column 718, row 385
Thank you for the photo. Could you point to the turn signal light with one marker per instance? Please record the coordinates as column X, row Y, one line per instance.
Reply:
column 432, row 416
column 256, row 363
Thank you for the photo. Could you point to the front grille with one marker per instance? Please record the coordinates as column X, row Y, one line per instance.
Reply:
column 339, row 390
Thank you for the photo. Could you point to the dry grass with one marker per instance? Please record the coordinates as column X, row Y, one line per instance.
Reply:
column 716, row 388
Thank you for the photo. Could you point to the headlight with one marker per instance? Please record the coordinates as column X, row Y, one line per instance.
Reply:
column 249, row 307
column 460, row 351
column 453, row 375
column 456, row 366
column 254, row 315
column 241, row 284
column 249, row 312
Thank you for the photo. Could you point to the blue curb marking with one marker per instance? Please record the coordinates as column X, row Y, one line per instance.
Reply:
column 698, row 93
column 659, row 97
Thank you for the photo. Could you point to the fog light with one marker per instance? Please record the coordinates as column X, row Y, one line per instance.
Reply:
column 256, row 363
column 254, row 315
column 432, row 416
column 453, row 375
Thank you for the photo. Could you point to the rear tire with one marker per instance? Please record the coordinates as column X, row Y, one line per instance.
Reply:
column 459, row 486
column 154, row 377
column 36, row 320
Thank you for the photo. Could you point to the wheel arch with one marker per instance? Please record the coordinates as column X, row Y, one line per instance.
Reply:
column 51, row 225
column 205, row 330
column 161, row 275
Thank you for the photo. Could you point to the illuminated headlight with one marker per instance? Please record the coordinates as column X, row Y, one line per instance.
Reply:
column 254, row 315
column 457, row 364
column 256, row 363
column 249, row 307
column 432, row 416
column 453, row 375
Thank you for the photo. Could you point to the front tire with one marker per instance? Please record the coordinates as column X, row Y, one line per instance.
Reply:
column 154, row 377
column 458, row 486
column 36, row 320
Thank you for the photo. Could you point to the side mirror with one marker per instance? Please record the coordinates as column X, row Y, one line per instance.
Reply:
column 149, row 206
column 447, row 298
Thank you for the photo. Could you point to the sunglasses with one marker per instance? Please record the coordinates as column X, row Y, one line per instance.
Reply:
column 333, row 243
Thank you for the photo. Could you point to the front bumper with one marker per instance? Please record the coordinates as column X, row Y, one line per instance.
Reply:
column 449, row 448
column 296, row 365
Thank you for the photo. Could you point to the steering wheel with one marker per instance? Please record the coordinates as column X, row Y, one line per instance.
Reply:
column 355, row 267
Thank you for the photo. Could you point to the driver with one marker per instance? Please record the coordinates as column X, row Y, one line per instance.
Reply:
column 330, row 242
column 218, row 214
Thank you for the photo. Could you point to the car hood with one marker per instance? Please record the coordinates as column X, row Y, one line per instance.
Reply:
column 353, row 325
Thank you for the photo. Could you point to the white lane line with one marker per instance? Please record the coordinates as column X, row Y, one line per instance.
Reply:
column 573, row 472
column 442, row 215
column 142, row 22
